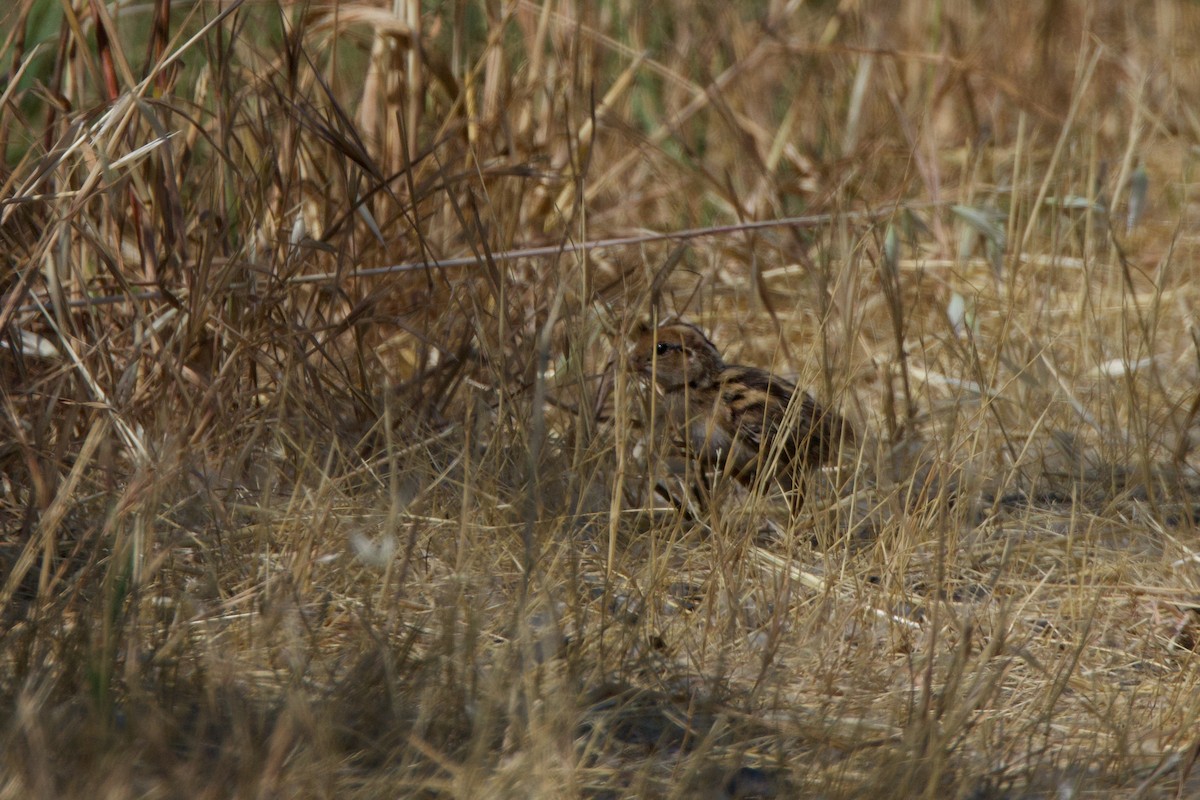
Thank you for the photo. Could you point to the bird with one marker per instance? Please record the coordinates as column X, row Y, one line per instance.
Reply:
column 742, row 419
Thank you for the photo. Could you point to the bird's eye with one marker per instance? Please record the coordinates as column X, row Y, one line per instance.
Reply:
column 666, row 347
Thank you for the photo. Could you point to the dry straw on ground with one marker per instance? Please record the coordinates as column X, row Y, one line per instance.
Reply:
column 320, row 475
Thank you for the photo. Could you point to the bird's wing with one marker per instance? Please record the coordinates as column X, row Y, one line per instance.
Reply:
column 756, row 408
column 753, row 402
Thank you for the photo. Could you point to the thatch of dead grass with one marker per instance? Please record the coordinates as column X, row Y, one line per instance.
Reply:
column 321, row 476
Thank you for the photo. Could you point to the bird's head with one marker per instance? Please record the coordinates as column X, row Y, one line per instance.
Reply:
column 675, row 354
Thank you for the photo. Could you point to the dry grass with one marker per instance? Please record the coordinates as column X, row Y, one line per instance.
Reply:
column 317, row 482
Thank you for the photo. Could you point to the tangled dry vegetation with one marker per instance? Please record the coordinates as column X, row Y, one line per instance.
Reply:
column 321, row 475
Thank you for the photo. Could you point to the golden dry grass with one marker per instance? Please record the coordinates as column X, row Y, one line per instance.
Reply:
column 316, row 478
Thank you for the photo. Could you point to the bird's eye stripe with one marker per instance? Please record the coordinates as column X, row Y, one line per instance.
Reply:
column 665, row 347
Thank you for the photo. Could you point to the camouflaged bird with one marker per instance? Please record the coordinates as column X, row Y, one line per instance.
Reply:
column 738, row 418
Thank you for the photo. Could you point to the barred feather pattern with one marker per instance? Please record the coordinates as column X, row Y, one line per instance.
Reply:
column 740, row 418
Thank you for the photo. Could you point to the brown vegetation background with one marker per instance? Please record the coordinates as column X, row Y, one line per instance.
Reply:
column 320, row 476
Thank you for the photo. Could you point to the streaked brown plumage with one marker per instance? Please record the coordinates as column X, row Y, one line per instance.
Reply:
column 733, row 416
